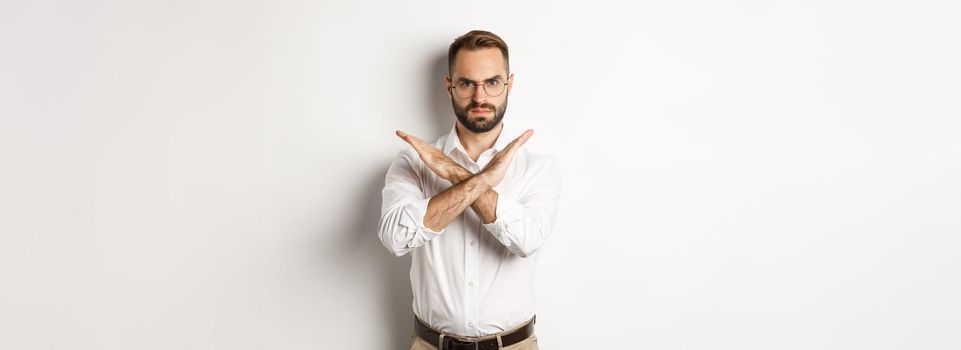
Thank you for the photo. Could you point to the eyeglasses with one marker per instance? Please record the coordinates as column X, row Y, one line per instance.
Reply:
column 466, row 88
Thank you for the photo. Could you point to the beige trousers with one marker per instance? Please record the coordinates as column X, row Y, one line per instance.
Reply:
column 417, row 343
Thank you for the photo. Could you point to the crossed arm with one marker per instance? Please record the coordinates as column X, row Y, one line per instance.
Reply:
column 468, row 190
column 409, row 219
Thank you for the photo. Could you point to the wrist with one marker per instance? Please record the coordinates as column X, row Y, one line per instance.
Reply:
column 459, row 174
column 485, row 179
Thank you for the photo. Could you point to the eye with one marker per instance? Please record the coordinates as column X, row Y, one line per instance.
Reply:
column 465, row 84
column 493, row 83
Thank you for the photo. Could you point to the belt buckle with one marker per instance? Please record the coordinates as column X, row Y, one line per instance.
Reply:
column 451, row 342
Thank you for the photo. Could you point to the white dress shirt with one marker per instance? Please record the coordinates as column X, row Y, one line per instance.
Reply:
column 472, row 279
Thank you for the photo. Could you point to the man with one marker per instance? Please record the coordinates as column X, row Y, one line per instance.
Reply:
column 473, row 209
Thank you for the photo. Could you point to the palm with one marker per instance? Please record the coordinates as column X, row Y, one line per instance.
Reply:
column 497, row 168
column 446, row 168
column 436, row 161
column 432, row 157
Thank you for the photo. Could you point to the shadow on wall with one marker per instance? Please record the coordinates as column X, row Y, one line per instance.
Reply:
column 393, row 273
column 390, row 274
column 441, row 112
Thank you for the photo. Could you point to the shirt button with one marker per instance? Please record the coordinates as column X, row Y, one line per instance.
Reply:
column 472, row 243
column 471, row 283
column 470, row 324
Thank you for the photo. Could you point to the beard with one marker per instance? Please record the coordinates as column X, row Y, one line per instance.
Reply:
column 480, row 124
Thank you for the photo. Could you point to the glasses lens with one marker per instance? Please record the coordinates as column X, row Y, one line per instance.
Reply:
column 495, row 88
column 465, row 89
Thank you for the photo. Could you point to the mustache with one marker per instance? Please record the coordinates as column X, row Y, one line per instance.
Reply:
column 474, row 105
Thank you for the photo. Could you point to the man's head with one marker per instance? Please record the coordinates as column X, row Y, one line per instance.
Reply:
column 479, row 79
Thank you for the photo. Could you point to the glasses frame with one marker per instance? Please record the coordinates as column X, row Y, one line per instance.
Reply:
column 453, row 86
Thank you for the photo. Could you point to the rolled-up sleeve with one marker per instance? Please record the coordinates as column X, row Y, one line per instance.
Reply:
column 523, row 224
column 401, row 227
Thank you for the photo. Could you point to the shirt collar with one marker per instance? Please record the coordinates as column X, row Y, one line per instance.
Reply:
column 454, row 142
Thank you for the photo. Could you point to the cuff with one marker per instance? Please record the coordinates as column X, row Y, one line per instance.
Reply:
column 508, row 210
column 416, row 211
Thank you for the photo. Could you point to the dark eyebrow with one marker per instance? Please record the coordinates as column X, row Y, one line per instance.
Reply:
column 496, row 77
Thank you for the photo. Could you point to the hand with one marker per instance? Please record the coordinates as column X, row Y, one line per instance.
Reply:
column 439, row 163
column 497, row 168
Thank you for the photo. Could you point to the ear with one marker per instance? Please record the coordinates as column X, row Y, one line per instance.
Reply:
column 448, row 85
column 510, row 83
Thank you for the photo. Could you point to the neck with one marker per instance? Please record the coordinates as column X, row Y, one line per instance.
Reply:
column 477, row 143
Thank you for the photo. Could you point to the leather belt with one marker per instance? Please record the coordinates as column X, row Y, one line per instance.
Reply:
column 452, row 343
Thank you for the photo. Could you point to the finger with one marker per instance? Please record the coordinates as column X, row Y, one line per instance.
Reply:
column 418, row 140
column 403, row 136
column 520, row 140
column 411, row 139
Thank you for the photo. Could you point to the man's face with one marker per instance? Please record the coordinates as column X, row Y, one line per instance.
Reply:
column 479, row 112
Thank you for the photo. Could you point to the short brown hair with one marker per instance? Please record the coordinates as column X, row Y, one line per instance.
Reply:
column 473, row 40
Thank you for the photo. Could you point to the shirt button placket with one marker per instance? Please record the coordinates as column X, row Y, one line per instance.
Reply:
column 471, row 267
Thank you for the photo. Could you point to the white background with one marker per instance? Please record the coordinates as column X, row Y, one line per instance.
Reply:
column 737, row 175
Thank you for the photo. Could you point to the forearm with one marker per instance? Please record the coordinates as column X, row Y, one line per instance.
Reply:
column 486, row 205
column 447, row 205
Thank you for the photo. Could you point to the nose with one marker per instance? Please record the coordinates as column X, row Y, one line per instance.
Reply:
column 480, row 94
